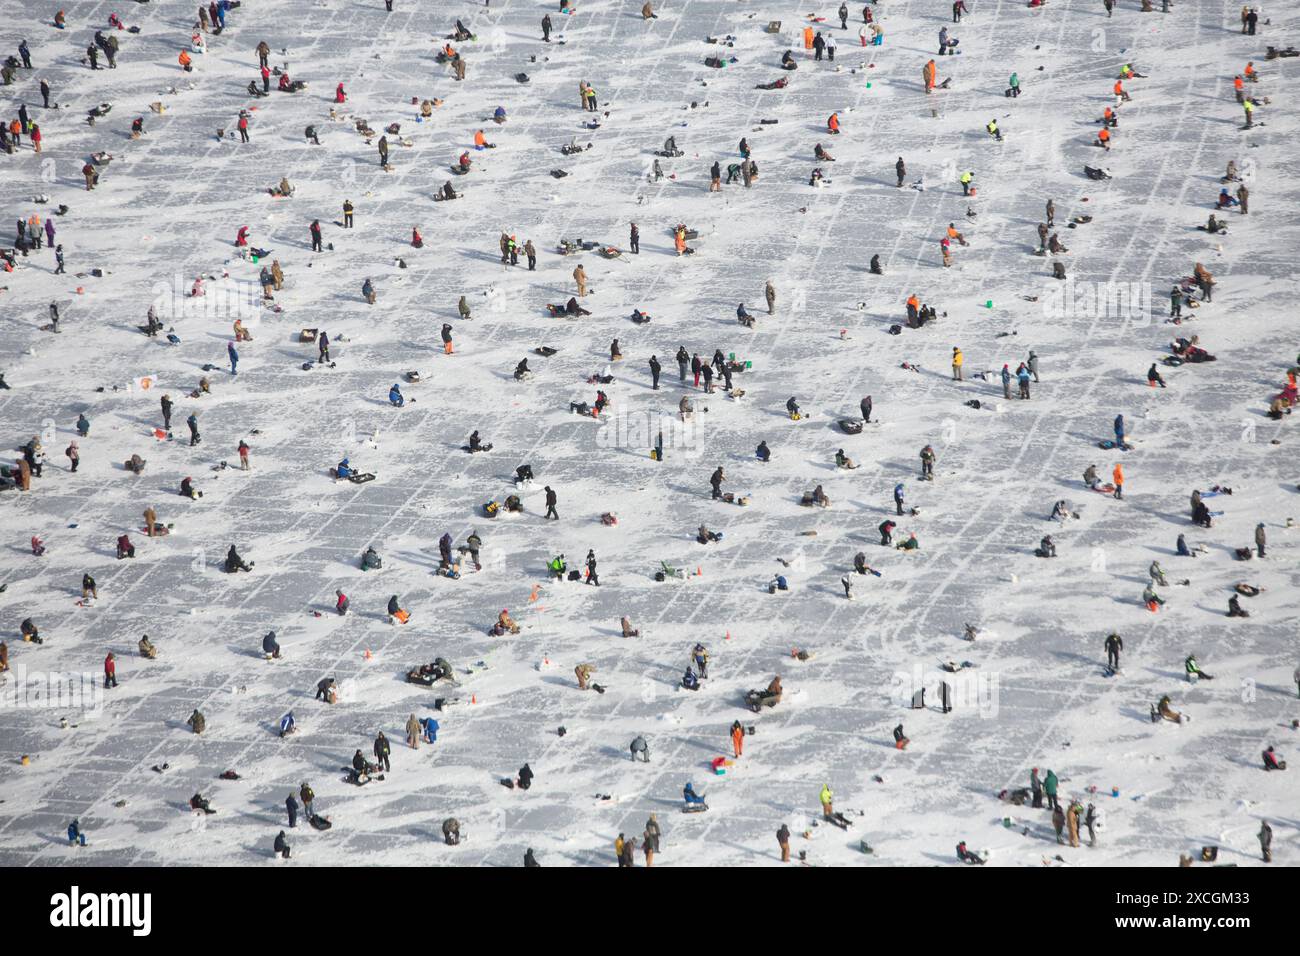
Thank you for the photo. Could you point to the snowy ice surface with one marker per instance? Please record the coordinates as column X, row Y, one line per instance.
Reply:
column 168, row 208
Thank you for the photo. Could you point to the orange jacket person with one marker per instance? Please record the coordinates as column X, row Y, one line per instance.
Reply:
column 1118, row 477
column 184, row 60
column 833, row 124
column 737, row 738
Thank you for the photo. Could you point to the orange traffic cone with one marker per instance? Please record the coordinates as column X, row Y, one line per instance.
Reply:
column 473, row 698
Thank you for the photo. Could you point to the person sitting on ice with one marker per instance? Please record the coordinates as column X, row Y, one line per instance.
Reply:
column 1150, row 598
column 1235, row 609
column 288, row 725
column 505, row 624
column 395, row 397
column 743, row 316
column 816, row 497
column 788, row 61
column 417, row 240
column 691, row 797
column 1061, row 511
column 361, row 769
column 199, row 802
column 911, row 544
column 1271, row 760
column 270, row 646
column 235, row 563
column 147, row 648
column 763, row 453
column 705, row 536
column 1090, row 477
column 822, row 155
column 125, row 549
column 628, row 629
column 464, row 162
column 779, row 583
column 448, row 192
column 344, row 470
column 842, row 460
column 689, row 680
column 557, row 567
column 370, row 560
column 1226, row 200
column 1193, row 669
column 966, row 856
column 522, row 371
column 1166, row 710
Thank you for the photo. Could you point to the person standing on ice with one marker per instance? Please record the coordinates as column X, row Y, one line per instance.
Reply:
column 827, row 800
column 1114, row 644
column 927, row 463
column 1050, row 785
